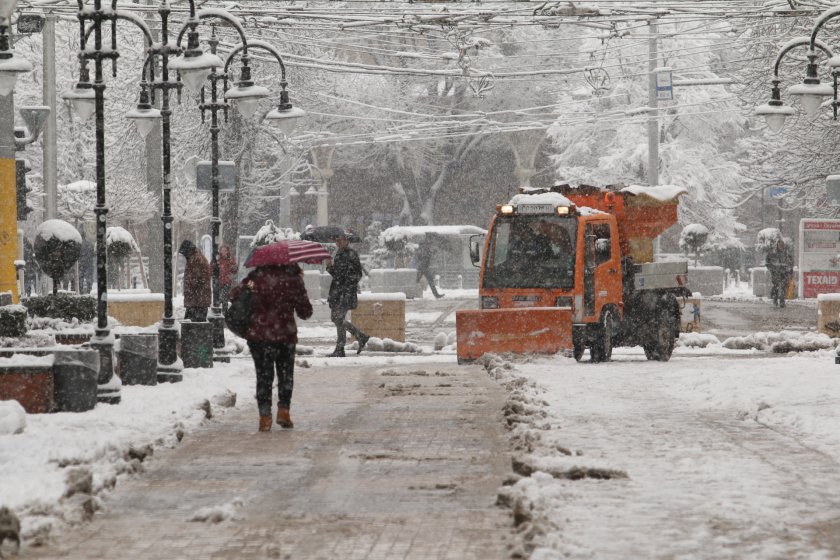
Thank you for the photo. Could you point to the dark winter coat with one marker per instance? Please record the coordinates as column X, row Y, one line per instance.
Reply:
column 227, row 270
column 197, row 287
column 423, row 257
column 346, row 270
column 780, row 265
column 278, row 293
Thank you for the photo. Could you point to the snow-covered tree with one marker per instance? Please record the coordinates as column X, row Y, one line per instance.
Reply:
column 693, row 239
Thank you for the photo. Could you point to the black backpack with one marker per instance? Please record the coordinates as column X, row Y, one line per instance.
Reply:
column 238, row 314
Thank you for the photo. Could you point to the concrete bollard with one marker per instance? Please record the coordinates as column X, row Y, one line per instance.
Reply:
column 197, row 344
column 138, row 358
column 75, row 374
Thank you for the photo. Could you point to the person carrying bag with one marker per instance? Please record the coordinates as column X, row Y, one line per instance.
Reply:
column 265, row 304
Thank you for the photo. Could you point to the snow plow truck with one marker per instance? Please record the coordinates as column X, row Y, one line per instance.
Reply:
column 570, row 268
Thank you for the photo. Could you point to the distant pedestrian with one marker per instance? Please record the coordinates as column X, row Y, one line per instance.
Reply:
column 424, row 263
column 197, row 289
column 278, row 293
column 346, row 270
column 227, row 273
column 780, row 266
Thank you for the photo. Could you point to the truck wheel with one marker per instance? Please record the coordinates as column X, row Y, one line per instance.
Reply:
column 601, row 350
column 662, row 345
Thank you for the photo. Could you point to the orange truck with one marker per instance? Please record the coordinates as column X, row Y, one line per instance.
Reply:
column 570, row 268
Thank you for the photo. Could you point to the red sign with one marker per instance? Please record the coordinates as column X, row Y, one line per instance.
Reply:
column 827, row 224
column 820, row 282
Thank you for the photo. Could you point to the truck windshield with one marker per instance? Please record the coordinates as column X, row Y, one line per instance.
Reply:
column 531, row 252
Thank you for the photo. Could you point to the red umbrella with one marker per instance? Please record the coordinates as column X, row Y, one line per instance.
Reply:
column 287, row 252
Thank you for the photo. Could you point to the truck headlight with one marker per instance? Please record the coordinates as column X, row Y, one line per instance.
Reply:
column 489, row 302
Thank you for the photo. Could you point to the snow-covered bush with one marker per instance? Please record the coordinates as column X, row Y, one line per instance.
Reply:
column 693, row 239
column 62, row 306
column 269, row 233
column 12, row 320
column 120, row 245
column 57, row 248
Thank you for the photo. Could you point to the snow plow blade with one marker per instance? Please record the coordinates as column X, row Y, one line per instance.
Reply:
column 543, row 330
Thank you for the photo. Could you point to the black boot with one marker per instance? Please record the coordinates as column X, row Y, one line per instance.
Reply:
column 337, row 353
column 363, row 339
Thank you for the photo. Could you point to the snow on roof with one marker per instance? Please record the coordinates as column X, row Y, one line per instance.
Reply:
column 553, row 198
column 662, row 193
column 116, row 234
column 396, row 233
column 59, row 229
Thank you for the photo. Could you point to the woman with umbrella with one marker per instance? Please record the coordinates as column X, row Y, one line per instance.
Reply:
column 277, row 294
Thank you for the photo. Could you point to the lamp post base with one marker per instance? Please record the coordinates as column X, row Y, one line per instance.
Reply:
column 169, row 367
column 109, row 386
column 217, row 320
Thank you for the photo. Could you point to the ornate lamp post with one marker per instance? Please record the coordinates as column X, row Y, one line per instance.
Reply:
column 89, row 98
column 246, row 96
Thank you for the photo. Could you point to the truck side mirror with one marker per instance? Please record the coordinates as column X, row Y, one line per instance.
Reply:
column 476, row 241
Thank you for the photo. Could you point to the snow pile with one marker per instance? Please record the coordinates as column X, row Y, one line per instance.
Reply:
column 553, row 199
column 387, row 345
column 444, row 340
column 542, row 464
column 217, row 514
column 661, row 193
column 29, row 340
column 697, row 340
column 12, row 418
column 55, row 472
column 781, row 342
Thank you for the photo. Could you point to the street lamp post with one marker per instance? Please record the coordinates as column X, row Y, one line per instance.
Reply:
column 246, row 96
column 214, row 106
column 84, row 97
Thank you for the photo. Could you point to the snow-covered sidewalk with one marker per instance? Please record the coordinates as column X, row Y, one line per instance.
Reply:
column 52, row 472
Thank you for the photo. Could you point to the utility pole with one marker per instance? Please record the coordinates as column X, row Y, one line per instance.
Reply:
column 653, row 113
column 653, row 119
column 49, row 145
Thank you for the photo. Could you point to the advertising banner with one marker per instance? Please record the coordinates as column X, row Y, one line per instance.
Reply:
column 819, row 257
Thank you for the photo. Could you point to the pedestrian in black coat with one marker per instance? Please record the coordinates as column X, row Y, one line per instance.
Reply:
column 424, row 264
column 780, row 265
column 346, row 270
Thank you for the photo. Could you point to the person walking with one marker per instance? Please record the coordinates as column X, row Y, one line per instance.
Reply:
column 278, row 293
column 346, row 270
column 424, row 264
column 780, row 265
column 198, row 295
column 227, row 272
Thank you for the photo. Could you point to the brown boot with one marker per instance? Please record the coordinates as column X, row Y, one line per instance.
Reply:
column 265, row 423
column 283, row 418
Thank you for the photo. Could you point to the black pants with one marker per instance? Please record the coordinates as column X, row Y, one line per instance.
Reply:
column 268, row 360
column 778, row 292
column 343, row 326
column 196, row 314
column 430, row 278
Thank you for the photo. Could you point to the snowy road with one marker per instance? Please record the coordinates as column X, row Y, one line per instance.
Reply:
column 723, row 459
